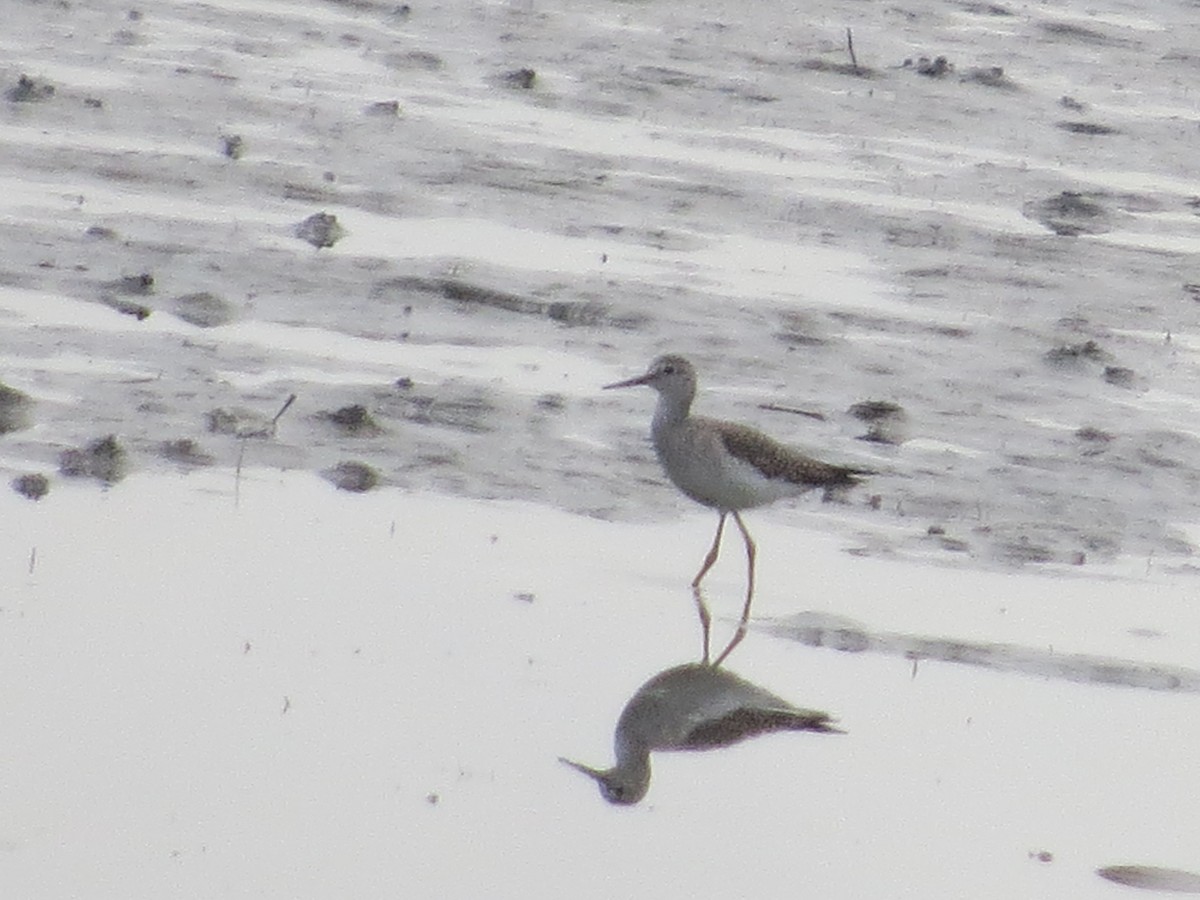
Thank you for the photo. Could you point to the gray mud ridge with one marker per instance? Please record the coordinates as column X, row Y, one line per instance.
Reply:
column 844, row 635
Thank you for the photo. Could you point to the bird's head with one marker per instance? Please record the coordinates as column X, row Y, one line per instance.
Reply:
column 622, row 786
column 671, row 375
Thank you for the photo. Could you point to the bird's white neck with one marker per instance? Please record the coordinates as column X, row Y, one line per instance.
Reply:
column 633, row 761
column 671, row 410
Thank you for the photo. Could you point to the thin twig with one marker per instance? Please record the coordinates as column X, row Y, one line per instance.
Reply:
column 794, row 410
column 237, row 475
column 850, row 47
column 268, row 432
column 286, row 403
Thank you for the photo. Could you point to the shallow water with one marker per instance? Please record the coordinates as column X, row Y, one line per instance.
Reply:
column 266, row 687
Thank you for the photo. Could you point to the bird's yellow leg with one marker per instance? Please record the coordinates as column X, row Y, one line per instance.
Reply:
column 751, row 552
column 713, row 551
column 705, row 620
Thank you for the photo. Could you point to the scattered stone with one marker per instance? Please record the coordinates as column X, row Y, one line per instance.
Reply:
column 352, row 421
column 240, row 422
column 1088, row 128
column 1072, row 104
column 1119, row 376
column 31, row 486
column 356, row 477
column 29, row 90
column 137, row 284
column 1093, row 435
column 1071, row 353
column 127, row 307
column 931, row 68
column 232, row 145
column 1070, row 213
column 522, row 79
column 16, row 408
column 404, row 383
column 989, row 76
column 132, row 285
column 885, row 421
column 383, row 108
column 93, row 103
column 551, row 402
column 101, row 233
column 103, row 459
column 203, row 309
column 185, row 451
column 321, row 230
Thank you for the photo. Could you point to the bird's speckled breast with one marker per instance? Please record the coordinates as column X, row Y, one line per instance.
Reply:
column 696, row 460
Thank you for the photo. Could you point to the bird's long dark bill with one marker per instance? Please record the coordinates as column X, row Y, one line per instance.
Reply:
column 580, row 767
column 632, row 382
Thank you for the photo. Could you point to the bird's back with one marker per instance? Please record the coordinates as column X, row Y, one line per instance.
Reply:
column 698, row 706
column 778, row 461
column 730, row 467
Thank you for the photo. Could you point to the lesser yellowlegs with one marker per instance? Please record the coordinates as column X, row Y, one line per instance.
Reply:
column 726, row 466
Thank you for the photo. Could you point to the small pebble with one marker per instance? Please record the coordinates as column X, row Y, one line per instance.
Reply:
column 232, row 145
column 32, row 486
column 322, row 230
column 355, row 477
column 103, row 459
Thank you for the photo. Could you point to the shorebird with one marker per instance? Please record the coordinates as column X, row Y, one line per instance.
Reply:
column 726, row 466
column 692, row 707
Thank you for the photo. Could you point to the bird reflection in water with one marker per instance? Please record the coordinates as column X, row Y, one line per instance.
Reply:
column 692, row 707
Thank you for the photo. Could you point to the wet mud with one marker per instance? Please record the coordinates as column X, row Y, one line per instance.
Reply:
column 976, row 271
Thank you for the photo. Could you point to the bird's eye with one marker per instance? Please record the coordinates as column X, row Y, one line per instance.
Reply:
column 668, row 369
